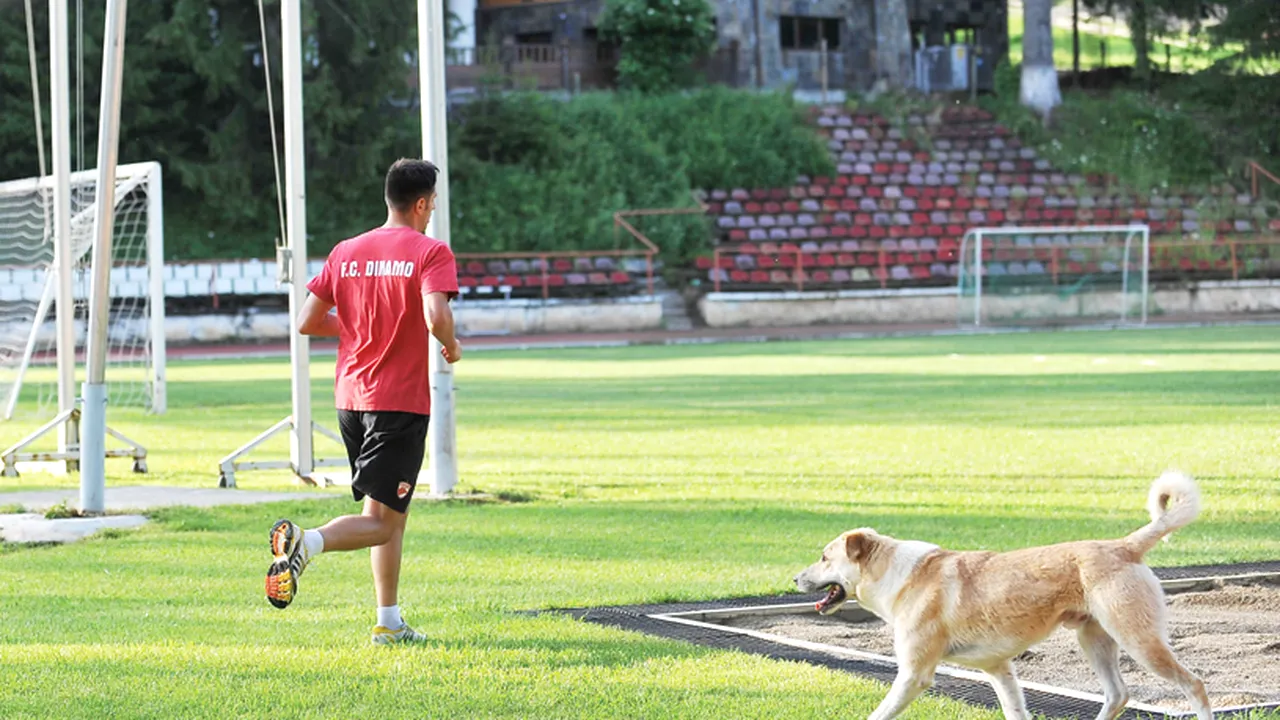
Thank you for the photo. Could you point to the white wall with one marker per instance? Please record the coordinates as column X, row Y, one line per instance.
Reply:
column 941, row 306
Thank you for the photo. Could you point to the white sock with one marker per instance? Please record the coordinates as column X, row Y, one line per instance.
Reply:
column 312, row 543
column 389, row 617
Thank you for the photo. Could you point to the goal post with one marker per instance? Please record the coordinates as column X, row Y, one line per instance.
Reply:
column 28, row 288
column 1052, row 276
column 36, row 364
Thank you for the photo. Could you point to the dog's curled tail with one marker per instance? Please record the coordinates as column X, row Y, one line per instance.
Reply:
column 1174, row 502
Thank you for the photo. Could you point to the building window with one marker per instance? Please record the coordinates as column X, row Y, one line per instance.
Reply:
column 806, row 33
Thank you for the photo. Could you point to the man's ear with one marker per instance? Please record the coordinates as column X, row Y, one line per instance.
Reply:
column 856, row 544
column 422, row 204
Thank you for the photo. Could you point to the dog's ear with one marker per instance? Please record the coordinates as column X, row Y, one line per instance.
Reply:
column 856, row 544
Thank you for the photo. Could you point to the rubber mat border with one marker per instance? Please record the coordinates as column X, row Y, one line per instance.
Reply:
column 637, row 618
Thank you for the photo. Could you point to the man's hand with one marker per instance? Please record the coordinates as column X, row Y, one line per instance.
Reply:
column 440, row 323
column 452, row 354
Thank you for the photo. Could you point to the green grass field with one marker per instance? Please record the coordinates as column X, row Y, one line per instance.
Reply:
column 646, row 474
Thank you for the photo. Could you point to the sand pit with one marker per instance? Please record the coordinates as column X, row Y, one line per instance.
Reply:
column 1229, row 636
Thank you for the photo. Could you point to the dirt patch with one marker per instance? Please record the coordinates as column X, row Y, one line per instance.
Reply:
column 1230, row 637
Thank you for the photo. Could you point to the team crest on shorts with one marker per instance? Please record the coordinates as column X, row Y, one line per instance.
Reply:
column 403, row 490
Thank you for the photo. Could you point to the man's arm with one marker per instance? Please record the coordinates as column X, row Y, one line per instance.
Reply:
column 314, row 318
column 440, row 323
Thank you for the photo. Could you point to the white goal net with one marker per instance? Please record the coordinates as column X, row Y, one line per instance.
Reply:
column 29, row 280
column 1047, row 276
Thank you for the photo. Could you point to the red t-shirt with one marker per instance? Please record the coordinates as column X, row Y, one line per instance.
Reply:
column 376, row 280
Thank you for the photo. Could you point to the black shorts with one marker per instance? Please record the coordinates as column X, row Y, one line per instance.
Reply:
column 386, row 451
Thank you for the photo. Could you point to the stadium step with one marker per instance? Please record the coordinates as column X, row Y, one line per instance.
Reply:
column 675, row 314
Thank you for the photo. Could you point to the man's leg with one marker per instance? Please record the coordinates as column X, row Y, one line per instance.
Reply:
column 385, row 557
column 376, row 526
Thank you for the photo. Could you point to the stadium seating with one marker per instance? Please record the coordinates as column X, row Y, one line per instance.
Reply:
column 538, row 276
column 903, row 197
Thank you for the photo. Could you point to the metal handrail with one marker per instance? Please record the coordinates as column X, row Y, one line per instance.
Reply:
column 1254, row 171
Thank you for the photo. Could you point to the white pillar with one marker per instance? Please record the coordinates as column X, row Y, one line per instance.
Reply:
column 431, row 79
column 60, row 117
column 300, row 445
column 93, row 446
column 155, row 290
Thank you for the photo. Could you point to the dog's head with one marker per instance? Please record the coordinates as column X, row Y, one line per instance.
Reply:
column 839, row 569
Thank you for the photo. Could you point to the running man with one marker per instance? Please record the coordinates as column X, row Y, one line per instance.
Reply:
column 391, row 286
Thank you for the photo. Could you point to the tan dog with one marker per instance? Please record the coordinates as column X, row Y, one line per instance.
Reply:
column 981, row 609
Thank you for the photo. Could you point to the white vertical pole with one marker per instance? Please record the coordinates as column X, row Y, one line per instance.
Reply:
column 63, row 262
column 977, row 278
column 300, row 445
column 434, row 103
column 93, row 447
column 1146, row 269
column 155, row 289
column 1124, row 278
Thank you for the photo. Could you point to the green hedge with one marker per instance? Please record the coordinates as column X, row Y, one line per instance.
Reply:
column 529, row 172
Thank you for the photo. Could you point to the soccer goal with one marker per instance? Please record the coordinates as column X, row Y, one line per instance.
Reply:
column 29, row 283
column 1052, row 276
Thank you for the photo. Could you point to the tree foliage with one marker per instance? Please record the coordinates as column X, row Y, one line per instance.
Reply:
column 661, row 40
column 527, row 172
column 195, row 99
column 1255, row 24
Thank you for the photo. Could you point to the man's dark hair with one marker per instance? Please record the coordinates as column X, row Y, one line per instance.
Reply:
column 408, row 180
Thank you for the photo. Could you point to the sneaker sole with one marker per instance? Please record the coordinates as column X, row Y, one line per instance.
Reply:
column 282, row 586
column 284, row 538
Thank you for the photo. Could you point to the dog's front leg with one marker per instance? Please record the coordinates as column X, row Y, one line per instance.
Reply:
column 1012, row 700
column 911, row 681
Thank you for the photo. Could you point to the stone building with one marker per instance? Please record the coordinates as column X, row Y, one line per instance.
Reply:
column 774, row 43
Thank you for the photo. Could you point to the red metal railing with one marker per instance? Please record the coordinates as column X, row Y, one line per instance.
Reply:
column 545, row 257
column 620, row 221
column 1256, row 172
column 648, row 249
column 881, row 272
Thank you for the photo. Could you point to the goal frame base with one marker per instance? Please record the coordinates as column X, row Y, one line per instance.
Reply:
column 232, row 463
column 12, row 456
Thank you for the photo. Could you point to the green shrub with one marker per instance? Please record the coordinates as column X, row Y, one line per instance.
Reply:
column 531, row 173
column 661, row 41
column 1193, row 131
